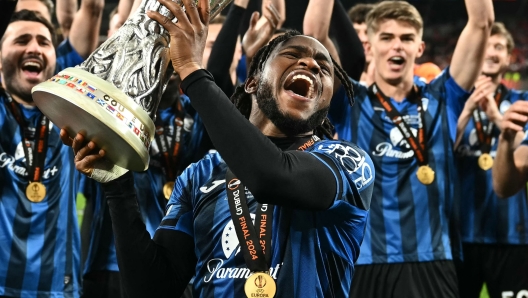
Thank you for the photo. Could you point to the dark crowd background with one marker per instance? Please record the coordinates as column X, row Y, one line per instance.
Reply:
column 443, row 20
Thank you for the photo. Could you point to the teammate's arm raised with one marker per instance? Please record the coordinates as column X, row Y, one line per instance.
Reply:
column 469, row 52
column 83, row 37
column 317, row 24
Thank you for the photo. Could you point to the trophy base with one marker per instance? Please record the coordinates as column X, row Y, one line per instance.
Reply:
column 76, row 100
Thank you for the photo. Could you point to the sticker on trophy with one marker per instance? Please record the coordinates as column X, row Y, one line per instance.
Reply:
column 425, row 175
column 485, row 161
column 167, row 189
column 260, row 284
column 36, row 192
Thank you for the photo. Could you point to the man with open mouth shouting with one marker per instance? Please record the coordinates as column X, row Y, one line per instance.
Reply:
column 278, row 211
column 40, row 251
column 409, row 129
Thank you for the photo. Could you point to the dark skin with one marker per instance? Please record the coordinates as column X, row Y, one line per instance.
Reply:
column 301, row 54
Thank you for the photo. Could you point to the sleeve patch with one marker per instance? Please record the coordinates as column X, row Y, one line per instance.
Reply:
column 352, row 161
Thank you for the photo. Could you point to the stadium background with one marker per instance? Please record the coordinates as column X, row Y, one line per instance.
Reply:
column 443, row 22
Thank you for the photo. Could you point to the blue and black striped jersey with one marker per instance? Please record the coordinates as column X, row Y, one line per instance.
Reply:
column 40, row 250
column 67, row 56
column 408, row 221
column 486, row 218
column 313, row 253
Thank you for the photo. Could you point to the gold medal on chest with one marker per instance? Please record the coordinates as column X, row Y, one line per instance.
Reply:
column 485, row 161
column 260, row 284
column 167, row 189
column 35, row 192
column 425, row 175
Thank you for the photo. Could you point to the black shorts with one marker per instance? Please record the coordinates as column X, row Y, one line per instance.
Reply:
column 504, row 269
column 107, row 284
column 435, row 279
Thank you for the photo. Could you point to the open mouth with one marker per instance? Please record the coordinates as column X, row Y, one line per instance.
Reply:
column 491, row 60
column 397, row 60
column 32, row 68
column 301, row 85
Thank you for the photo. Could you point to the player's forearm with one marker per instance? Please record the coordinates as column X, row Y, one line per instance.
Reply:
column 469, row 52
column 144, row 268
column 269, row 173
column 84, row 38
column 65, row 11
column 223, row 49
column 480, row 13
column 123, row 10
column 461, row 126
column 316, row 23
column 507, row 178
column 350, row 48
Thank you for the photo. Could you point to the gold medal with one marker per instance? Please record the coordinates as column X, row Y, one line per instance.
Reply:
column 36, row 192
column 167, row 189
column 425, row 175
column 485, row 161
column 260, row 284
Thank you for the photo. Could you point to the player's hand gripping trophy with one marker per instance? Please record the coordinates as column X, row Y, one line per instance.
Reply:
column 113, row 96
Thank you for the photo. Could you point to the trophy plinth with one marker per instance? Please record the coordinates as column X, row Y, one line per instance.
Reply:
column 113, row 96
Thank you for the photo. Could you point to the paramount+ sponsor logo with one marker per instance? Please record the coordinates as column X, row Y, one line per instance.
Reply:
column 216, row 270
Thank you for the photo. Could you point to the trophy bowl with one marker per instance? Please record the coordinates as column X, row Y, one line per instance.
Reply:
column 112, row 97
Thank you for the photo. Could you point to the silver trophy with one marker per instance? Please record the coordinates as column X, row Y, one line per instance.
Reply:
column 113, row 96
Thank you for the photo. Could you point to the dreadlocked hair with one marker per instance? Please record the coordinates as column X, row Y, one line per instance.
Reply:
column 242, row 100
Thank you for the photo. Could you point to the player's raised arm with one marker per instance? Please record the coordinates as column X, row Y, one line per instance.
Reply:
column 83, row 37
column 469, row 52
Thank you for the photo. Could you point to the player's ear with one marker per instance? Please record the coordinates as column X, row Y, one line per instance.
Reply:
column 251, row 85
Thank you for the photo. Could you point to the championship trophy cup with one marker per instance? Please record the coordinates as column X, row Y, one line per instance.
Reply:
column 113, row 96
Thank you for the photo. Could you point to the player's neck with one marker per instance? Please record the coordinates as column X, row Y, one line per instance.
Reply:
column 267, row 127
column 397, row 91
column 496, row 80
column 27, row 104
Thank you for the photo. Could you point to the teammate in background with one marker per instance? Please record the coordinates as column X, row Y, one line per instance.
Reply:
column 39, row 255
column 494, row 231
column 318, row 221
column 358, row 15
column 408, row 128
column 82, row 39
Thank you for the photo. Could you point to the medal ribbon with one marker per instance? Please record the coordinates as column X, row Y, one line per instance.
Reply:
column 484, row 137
column 255, row 240
column 418, row 144
column 36, row 154
column 170, row 152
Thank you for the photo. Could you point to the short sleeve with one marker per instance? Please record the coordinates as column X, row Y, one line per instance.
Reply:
column 445, row 88
column 67, row 56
